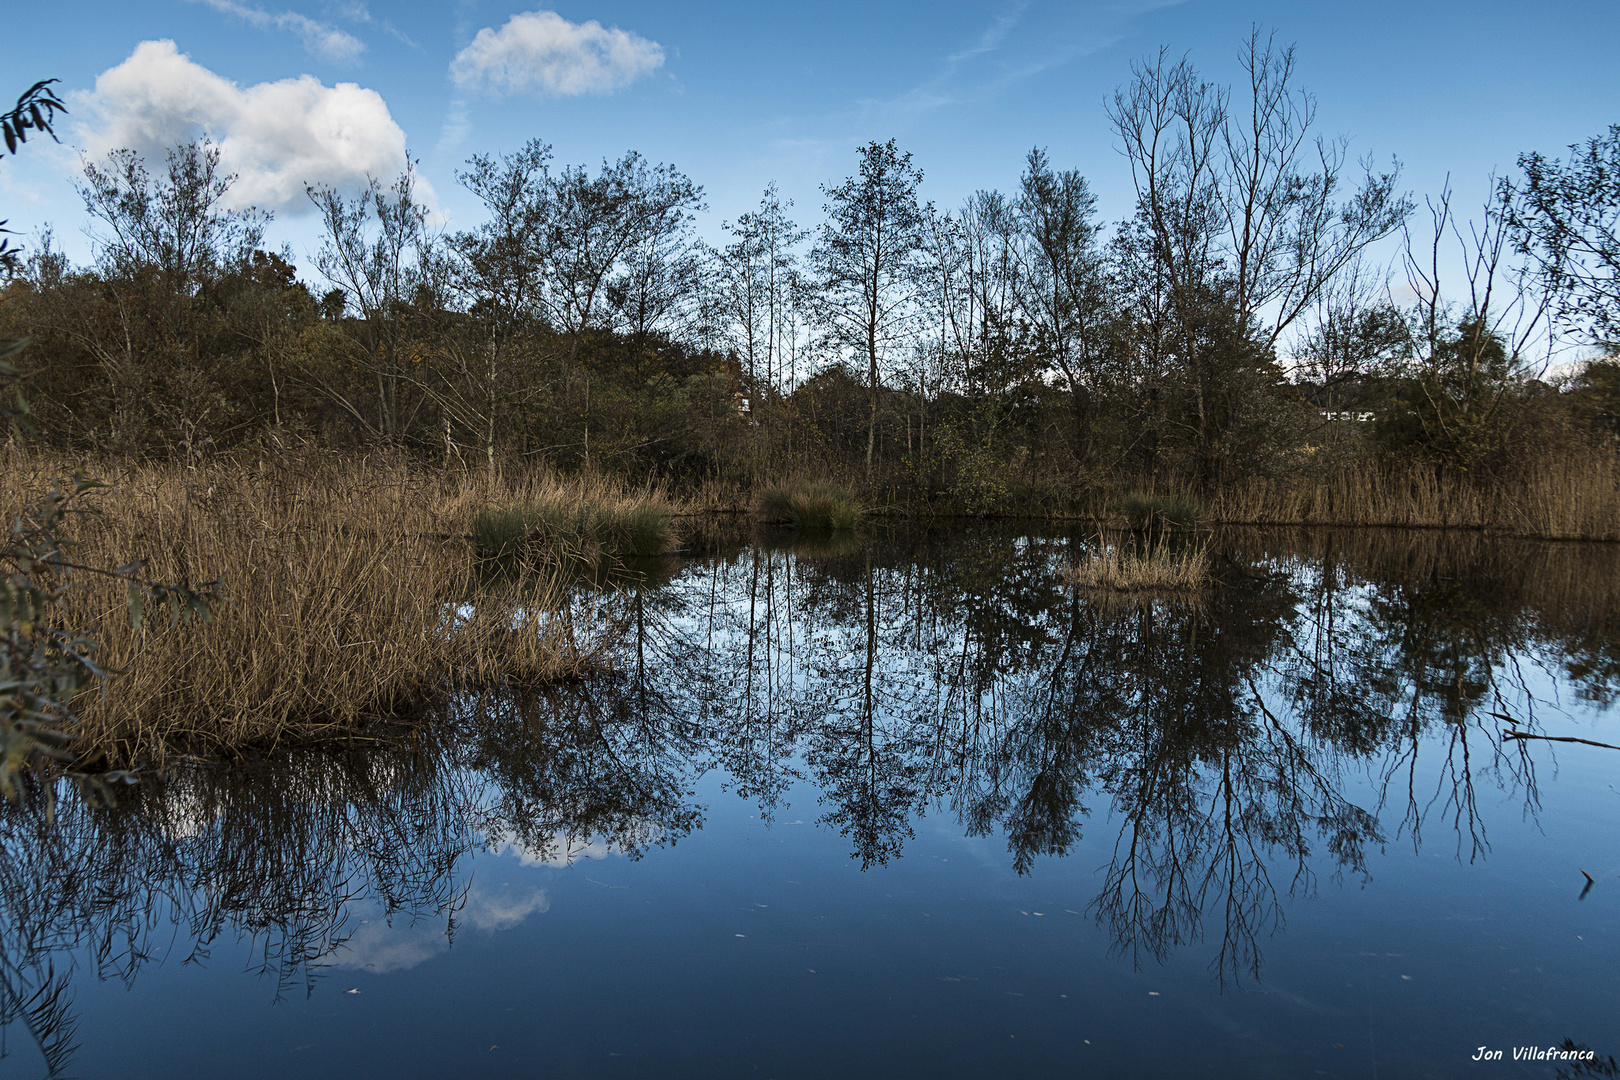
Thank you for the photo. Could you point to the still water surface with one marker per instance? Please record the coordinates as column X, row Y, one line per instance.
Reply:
column 900, row 805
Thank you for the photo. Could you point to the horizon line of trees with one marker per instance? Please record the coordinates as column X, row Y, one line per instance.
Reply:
column 1014, row 338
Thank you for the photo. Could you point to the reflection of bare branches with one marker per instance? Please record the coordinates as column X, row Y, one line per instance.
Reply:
column 275, row 857
column 36, row 996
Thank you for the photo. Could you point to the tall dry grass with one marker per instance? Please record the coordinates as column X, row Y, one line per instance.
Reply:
column 1576, row 497
column 1151, row 566
column 353, row 594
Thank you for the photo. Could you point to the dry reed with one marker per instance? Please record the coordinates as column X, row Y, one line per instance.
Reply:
column 1565, row 498
column 352, row 589
column 1152, row 567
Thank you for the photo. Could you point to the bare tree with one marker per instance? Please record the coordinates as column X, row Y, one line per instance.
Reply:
column 1240, row 190
column 1479, row 340
column 594, row 227
column 177, row 226
column 1355, row 332
column 1240, row 208
column 657, row 291
column 752, row 290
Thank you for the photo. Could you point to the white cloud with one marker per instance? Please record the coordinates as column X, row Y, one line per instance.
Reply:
column 276, row 136
column 491, row 913
column 541, row 50
column 319, row 38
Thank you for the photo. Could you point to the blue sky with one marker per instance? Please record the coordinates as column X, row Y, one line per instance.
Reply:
column 739, row 94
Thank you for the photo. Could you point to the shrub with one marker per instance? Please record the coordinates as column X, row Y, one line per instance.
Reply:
column 557, row 530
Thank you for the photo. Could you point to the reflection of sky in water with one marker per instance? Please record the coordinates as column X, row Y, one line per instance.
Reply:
column 1280, row 834
column 560, row 850
column 381, row 946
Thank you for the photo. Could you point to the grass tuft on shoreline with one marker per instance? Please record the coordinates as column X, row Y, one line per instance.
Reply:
column 821, row 506
column 559, row 531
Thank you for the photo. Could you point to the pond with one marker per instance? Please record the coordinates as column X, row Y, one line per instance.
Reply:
column 900, row 804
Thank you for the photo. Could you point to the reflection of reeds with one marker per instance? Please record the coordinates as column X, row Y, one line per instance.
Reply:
column 808, row 506
column 342, row 580
column 1152, row 567
column 1561, row 584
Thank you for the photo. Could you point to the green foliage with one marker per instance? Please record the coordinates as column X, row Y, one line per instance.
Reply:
column 1457, row 407
column 1566, row 217
column 35, row 110
column 822, row 507
column 974, row 467
column 1595, row 391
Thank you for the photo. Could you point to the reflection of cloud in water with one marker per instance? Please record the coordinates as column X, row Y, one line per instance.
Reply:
column 502, row 912
column 558, row 850
column 379, row 948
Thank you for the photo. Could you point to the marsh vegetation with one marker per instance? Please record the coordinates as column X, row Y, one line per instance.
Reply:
column 350, row 593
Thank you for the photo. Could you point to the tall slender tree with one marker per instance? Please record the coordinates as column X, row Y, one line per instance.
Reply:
column 372, row 253
column 498, row 270
column 1064, row 285
column 867, row 264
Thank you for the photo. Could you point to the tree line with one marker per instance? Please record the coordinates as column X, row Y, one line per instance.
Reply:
column 1236, row 325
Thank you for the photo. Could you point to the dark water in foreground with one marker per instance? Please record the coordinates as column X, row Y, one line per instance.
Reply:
column 900, row 806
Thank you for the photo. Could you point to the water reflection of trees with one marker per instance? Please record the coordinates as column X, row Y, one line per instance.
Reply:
column 273, row 856
column 912, row 673
column 283, row 858
column 1331, row 694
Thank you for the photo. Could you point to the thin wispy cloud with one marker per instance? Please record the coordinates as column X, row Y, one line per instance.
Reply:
column 942, row 89
column 970, row 74
column 354, row 11
column 542, row 52
column 993, row 34
column 321, row 39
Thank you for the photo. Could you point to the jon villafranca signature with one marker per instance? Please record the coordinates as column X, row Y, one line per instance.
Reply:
column 1536, row 1053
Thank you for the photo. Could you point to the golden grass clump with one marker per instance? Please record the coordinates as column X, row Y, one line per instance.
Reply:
column 352, row 590
column 1153, row 567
